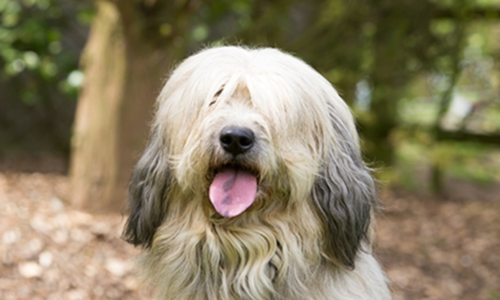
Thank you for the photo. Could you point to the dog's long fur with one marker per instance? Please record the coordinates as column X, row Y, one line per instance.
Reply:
column 307, row 235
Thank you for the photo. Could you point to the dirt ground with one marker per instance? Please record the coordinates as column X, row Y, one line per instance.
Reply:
column 430, row 248
column 434, row 248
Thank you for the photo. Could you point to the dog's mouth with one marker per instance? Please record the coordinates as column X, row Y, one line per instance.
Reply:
column 233, row 190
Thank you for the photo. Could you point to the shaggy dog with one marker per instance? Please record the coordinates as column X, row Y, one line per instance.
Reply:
column 252, row 185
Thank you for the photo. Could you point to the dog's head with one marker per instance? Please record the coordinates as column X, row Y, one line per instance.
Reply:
column 250, row 132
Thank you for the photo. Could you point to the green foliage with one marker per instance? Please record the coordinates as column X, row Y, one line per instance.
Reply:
column 467, row 161
column 31, row 45
column 40, row 45
column 254, row 22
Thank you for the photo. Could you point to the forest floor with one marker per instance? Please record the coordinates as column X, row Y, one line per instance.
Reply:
column 431, row 248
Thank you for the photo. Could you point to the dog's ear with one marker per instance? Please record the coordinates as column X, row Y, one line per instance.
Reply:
column 148, row 188
column 344, row 193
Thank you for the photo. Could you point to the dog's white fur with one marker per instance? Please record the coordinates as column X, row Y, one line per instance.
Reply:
column 307, row 235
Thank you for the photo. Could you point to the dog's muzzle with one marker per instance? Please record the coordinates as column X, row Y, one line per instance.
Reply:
column 234, row 187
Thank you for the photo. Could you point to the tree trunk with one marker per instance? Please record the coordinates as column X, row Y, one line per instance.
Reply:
column 378, row 128
column 389, row 78
column 123, row 76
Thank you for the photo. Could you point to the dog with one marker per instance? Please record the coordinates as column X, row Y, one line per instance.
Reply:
column 252, row 185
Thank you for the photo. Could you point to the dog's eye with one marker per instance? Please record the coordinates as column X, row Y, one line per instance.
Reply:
column 215, row 97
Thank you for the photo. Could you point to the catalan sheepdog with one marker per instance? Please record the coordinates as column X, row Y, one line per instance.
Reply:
column 252, row 185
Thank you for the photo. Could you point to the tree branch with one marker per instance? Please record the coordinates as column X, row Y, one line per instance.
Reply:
column 475, row 13
column 464, row 136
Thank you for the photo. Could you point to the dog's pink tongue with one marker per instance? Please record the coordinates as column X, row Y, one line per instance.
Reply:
column 233, row 191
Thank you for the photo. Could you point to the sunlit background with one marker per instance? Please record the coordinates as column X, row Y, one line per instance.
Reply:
column 421, row 77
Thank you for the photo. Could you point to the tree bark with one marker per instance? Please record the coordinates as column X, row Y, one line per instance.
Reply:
column 389, row 80
column 123, row 75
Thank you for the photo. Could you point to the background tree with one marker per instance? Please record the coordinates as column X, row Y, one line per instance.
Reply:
column 131, row 47
column 383, row 46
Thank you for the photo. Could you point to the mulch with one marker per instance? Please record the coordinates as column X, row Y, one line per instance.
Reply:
column 434, row 248
column 431, row 248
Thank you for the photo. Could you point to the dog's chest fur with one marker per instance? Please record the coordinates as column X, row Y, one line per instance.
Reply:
column 254, row 261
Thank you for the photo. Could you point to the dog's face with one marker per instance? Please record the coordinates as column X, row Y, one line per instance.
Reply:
column 249, row 132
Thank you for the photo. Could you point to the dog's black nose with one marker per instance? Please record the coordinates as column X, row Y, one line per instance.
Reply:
column 236, row 140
